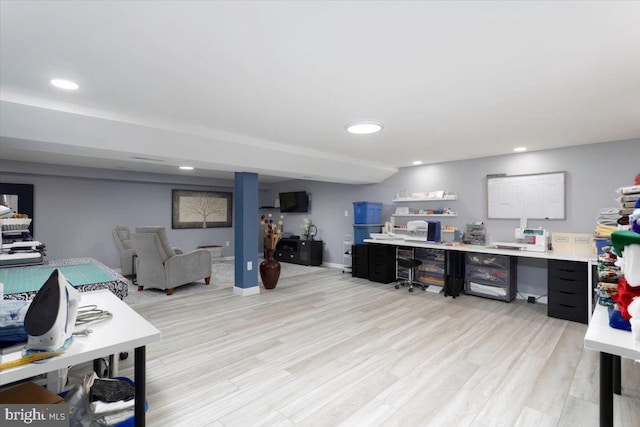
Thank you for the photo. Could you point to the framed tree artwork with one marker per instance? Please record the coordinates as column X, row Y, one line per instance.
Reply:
column 201, row 209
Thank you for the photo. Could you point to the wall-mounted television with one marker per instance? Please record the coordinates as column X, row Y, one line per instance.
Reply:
column 294, row 201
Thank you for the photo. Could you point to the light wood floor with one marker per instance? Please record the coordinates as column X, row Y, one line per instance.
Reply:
column 327, row 349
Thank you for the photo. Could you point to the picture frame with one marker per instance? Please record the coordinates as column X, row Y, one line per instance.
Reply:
column 201, row 209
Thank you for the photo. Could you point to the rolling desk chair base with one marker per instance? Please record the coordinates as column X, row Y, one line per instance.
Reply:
column 411, row 285
column 411, row 264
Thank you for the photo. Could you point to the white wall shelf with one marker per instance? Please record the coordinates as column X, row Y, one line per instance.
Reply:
column 423, row 215
column 425, row 199
column 405, row 229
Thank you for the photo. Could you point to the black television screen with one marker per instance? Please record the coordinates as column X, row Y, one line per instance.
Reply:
column 295, row 201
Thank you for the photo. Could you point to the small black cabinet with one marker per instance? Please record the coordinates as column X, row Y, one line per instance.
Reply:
column 382, row 263
column 296, row 251
column 568, row 287
column 360, row 261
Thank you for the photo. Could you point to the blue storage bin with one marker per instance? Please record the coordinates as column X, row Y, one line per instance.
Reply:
column 361, row 232
column 601, row 242
column 367, row 212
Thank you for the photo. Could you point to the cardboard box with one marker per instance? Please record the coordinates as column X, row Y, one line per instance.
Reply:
column 29, row 393
column 573, row 243
column 583, row 244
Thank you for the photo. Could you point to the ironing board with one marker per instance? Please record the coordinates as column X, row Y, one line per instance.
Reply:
column 124, row 331
column 85, row 274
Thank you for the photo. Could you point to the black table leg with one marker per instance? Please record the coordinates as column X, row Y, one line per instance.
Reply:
column 140, row 378
column 134, row 276
column 617, row 386
column 606, row 389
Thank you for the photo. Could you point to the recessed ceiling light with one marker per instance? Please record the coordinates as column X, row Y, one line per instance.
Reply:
column 520, row 149
column 364, row 127
column 186, row 168
column 64, row 84
column 417, row 162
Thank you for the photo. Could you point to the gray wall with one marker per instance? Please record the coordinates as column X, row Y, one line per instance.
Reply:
column 75, row 214
column 594, row 172
column 76, row 208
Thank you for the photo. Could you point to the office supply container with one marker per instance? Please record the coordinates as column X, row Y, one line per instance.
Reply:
column 367, row 212
column 361, row 232
column 402, row 273
column 491, row 276
column 432, row 270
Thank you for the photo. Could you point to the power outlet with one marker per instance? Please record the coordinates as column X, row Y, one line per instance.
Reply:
column 346, row 213
column 226, row 243
column 249, row 265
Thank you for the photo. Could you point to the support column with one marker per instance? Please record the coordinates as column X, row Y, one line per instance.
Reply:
column 246, row 223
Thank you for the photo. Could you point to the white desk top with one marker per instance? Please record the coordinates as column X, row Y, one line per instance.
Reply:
column 125, row 331
column 484, row 250
column 602, row 337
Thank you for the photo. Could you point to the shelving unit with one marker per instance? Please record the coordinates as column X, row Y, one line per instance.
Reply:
column 447, row 198
column 423, row 215
column 405, row 229
column 432, row 270
column 491, row 276
column 424, row 199
column 402, row 273
column 347, row 261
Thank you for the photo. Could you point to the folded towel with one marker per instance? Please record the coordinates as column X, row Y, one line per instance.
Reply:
column 101, row 408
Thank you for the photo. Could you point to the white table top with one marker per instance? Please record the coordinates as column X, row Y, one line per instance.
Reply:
column 602, row 337
column 485, row 250
column 125, row 331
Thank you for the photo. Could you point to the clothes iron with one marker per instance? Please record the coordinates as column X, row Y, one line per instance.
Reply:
column 51, row 317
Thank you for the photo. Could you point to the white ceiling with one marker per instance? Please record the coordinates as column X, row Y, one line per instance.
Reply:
column 268, row 86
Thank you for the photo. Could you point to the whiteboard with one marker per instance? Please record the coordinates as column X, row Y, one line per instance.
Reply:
column 537, row 196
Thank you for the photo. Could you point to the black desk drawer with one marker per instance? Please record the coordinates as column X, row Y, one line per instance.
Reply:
column 567, row 269
column 567, row 306
column 380, row 277
column 360, row 262
column 361, row 272
column 568, row 285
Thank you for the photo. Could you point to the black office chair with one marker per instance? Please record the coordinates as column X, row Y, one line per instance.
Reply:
column 409, row 264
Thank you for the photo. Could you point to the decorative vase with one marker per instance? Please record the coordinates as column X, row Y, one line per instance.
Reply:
column 270, row 270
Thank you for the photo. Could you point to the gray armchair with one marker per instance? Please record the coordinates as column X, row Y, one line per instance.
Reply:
column 124, row 243
column 159, row 266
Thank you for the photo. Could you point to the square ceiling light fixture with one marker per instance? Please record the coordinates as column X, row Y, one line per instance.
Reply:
column 364, row 127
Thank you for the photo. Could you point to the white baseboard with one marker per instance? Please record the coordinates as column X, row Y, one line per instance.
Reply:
column 332, row 265
column 245, row 292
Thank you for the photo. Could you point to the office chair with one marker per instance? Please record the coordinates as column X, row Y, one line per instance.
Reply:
column 411, row 265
